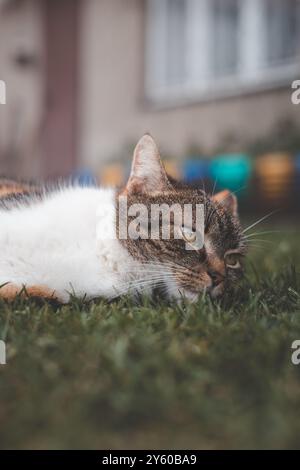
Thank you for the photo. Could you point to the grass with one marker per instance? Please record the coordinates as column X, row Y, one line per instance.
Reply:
column 158, row 376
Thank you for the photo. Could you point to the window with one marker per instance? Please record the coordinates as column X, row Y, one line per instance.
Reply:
column 176, row 43
column 283, row 29
column 207, row 48
column 225, row 37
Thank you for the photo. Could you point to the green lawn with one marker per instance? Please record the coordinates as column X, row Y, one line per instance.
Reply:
column 158, row 376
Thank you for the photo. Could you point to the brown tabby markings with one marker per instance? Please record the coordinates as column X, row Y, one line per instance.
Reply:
column 194, row 270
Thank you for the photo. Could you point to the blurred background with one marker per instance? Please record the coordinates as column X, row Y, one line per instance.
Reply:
column 211, row 80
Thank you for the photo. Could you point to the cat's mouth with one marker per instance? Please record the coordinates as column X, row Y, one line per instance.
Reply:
column 215, row 292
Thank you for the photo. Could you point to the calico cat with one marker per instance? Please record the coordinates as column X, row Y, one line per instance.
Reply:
column 64, row 241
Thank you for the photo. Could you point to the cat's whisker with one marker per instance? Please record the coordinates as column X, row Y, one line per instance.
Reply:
column 148, row 273
column 135, row 282
column 259, row 221
column 221, row 202
column 148, row 283
column 168, row 264
column 140, row 271
column 260, row 240
column 158, row 269
column 214, row 186
column 152, row 275
column 133, row 288
column 258, row 247
column 203, row 185
column 234, row 192
column 136, row 273
column 250, row 245
column 263, row 233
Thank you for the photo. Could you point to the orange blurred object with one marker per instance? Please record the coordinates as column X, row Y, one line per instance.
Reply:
column 112, row 175
column 275, row 174
column 172, row 169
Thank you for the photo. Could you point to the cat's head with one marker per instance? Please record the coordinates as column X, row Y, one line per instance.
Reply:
column 191, row 262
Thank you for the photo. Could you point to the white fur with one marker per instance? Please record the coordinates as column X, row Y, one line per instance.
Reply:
column 66, row 243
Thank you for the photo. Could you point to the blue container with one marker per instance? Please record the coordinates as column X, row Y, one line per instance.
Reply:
column 297, row 164
column 231, row 171
column 297, row 175
column 195, row 170
column 84, row 177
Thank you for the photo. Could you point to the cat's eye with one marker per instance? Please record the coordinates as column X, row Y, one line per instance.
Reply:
column 189, row 235
column 232, row 260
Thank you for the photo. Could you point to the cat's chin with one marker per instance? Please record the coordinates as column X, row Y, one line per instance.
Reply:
column 185, row 294
column 216, row 292
column 190, row 296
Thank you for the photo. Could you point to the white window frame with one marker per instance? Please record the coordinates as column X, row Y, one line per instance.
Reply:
column 253, row 74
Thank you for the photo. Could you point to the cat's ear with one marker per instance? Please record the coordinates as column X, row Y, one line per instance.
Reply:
column 228, row 200
column 147, row 171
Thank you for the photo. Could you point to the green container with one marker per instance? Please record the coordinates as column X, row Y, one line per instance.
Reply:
column 231, row 171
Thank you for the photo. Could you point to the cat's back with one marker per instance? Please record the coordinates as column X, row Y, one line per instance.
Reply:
column 55, row 221
column 51, row 236
column 59, row 207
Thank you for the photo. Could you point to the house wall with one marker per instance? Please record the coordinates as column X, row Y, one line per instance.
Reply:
column 61, row 55
column 114, row 111
column 21, row 67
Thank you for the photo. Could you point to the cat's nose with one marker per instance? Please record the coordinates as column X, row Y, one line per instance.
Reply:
column 216, row 277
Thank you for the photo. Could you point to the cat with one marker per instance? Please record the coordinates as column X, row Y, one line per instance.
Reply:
column 65, row 241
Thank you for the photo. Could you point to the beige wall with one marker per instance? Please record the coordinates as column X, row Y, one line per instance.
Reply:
column 114, row 112
column 20, row 118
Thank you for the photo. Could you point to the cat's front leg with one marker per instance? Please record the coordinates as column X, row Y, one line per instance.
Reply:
column 10, row 291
